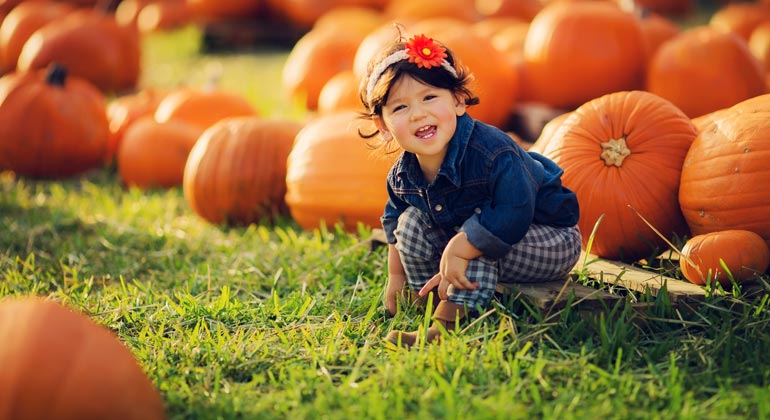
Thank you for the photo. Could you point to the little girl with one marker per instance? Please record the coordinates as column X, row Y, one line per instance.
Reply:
column 467, row 207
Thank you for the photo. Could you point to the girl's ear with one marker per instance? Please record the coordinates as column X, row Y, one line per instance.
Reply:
column 460, row 107
column 382, row 128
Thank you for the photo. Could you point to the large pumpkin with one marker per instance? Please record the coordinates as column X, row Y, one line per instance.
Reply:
column 59, row 364
column 625, row 149
column 744, row 253
column 578, row 51
column 236, row 172
column 333, row 175
column 725, row 174
column 51, row 125
column 91, row 45
column 702, row 70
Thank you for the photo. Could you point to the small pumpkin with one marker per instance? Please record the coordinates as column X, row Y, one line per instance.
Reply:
column 153, row 154
column 124, row 110
column 202, row 107
column 743, row 252
column 623, row 152
column 60, row 364
column 236, row 172
column 51, row 125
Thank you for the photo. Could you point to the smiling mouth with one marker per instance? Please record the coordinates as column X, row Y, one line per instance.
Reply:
column 426, row 132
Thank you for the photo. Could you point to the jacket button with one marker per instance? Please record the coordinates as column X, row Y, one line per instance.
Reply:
column 438, row 207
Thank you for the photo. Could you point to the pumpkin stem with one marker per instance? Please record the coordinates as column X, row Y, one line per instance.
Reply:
column 614, row 151
column 57, row 75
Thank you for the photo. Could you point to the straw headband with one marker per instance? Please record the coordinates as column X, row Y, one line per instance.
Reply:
column 420, row 50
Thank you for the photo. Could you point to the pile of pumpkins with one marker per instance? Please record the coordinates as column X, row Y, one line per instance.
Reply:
column 658, row 128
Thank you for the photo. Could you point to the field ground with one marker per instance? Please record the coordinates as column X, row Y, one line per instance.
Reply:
column 273, row 322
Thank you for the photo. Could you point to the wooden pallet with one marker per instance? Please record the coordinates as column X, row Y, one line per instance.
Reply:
column 557, row 294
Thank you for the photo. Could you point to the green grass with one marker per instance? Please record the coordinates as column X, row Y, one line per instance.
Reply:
column 276, row 322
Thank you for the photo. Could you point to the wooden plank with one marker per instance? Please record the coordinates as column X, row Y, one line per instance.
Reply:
column 557, row 294
column 638, row 279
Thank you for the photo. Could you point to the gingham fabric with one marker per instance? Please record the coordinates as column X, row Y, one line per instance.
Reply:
column 545, row 253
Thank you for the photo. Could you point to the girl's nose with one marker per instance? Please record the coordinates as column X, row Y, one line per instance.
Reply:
column 417, row 113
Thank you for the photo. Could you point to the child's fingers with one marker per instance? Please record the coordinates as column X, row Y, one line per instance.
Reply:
column 433, row 282
column 462, row 282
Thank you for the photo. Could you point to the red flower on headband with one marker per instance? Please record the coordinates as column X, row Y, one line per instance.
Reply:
column 424, row 52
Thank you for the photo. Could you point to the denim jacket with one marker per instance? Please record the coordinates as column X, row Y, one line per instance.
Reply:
column 488, row 186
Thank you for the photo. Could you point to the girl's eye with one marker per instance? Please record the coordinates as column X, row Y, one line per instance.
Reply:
column 429, row 97
column 398, row 108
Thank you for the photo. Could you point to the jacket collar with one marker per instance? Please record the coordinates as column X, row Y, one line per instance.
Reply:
column 409, row 165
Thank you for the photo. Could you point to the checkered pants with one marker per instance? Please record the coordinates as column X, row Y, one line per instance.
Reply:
column 545, row 253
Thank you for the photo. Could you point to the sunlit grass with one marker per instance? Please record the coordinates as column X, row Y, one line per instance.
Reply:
column 274, row 322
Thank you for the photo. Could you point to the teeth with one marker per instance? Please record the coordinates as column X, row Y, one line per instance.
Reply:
column 422, row 130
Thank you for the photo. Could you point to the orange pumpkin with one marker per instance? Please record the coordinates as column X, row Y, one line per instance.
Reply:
column 333, row 176
column 339, row 93
column 314, row 59
column 656, row 30
column 60, row 364
column 203, row 107
column 743, row 252
column 91, row 45
column 578, row 51
column 759, row 44
column 163, row 15
column 22, row 21
column 236, row 172
column 51, row 125
column 702, row 70
column 522, row 9
column 740, row 18
column 463, row 10
column 725, row 175
column 360, row 20
column 625, row 149
column 124, row 110
column 153, row 154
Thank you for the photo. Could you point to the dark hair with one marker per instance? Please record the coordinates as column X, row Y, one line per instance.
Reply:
column 435, row 76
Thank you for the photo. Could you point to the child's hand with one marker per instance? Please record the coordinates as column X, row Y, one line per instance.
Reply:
column 393, row 292
column 452, row 271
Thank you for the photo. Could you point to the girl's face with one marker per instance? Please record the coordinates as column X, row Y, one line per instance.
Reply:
column 421, row 118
